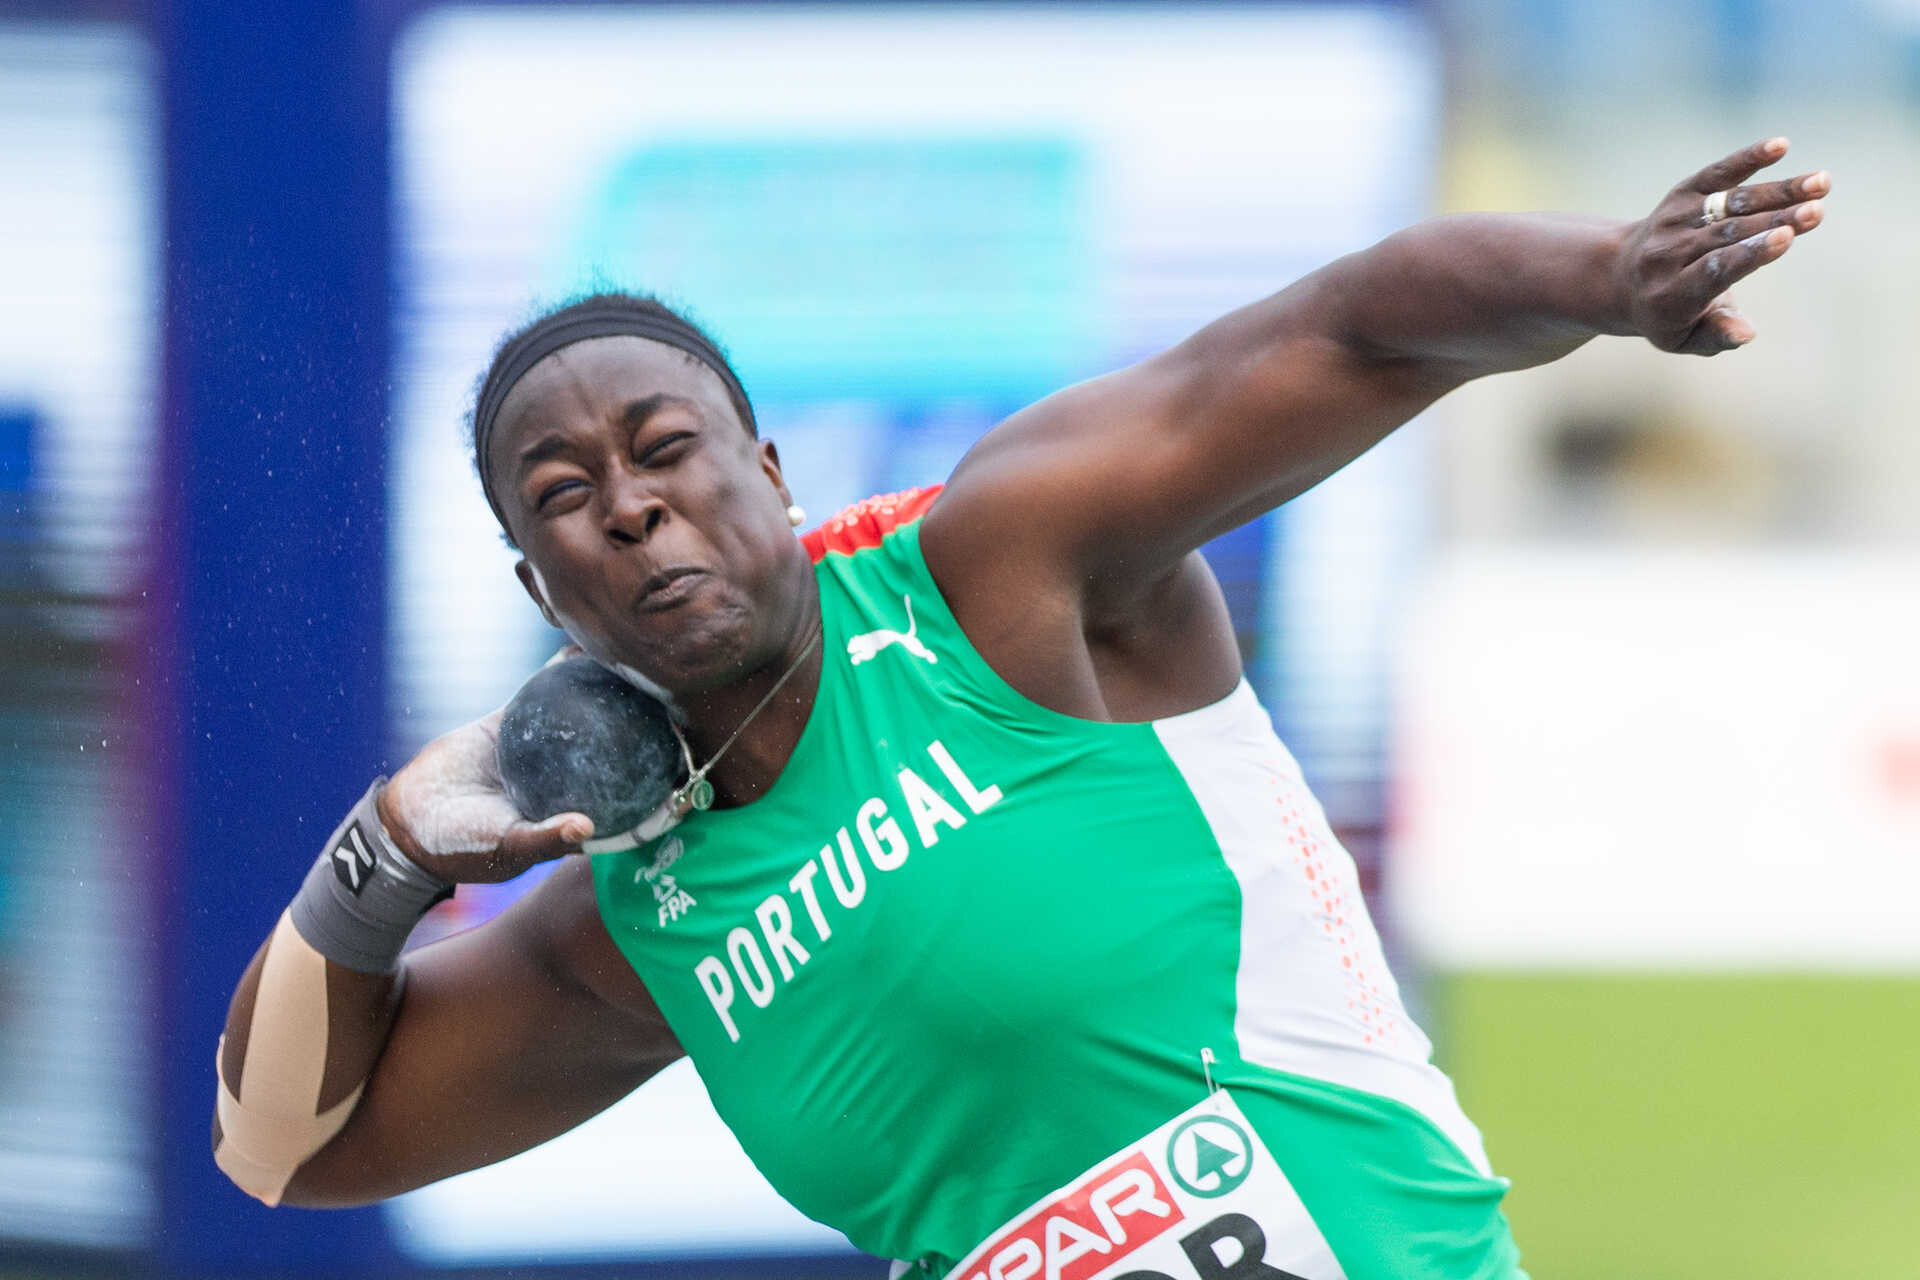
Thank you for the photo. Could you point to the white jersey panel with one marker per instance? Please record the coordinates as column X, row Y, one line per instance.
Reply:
column 1313, row 996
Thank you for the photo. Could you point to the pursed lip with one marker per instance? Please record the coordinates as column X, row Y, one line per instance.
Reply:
column 668, row 588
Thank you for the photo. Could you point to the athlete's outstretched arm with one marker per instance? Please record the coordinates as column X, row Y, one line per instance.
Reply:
column 1106, row 485
column 345, row 1083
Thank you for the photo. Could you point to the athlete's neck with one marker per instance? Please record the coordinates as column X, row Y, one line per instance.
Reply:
column 767, row 719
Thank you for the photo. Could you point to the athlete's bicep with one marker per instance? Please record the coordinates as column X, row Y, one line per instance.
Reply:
column 507, row 1035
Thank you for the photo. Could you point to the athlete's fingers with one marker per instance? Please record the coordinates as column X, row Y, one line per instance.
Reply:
column 1718, row 270
column 526, row 843
column 1684, row 207
column 1735, row 169
column 482, row 840
column 1722, row 328
column 1802, row 218
column 1676, row 266
column 1704, row 321
column 1730, row 327
column 1763, row 196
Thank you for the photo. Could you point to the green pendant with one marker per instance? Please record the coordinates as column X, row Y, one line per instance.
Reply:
column 695, row 794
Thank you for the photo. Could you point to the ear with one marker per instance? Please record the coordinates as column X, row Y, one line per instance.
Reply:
column 770, row 467
column 530, row 579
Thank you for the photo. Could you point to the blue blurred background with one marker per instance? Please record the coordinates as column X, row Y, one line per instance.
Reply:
column 1605, row 672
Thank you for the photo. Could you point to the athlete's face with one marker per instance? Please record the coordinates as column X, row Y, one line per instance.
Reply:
column 653, row 526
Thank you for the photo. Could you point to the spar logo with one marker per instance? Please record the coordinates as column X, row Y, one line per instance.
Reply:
column 1199, row 1198
column 1085, row 1231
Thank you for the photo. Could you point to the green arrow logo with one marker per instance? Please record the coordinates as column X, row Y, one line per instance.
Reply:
column 1216, row 1159
column 1210, row 1159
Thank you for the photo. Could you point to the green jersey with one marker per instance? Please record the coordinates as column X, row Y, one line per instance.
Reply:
column 1011, row 994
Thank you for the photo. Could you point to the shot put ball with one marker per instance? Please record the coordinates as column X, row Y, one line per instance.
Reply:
column 578, row 739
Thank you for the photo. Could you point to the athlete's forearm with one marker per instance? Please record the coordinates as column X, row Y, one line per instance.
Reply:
column 1475, row 294
column 297, row 1063
column 506, row 1035
column 1275, row 397
column 315, row 1007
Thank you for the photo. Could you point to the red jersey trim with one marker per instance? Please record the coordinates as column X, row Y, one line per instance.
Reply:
column 867, row 522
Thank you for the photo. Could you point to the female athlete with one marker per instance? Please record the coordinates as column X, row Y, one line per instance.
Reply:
column 1012, row 945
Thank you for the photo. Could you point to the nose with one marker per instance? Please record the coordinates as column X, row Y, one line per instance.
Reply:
column 633, row 510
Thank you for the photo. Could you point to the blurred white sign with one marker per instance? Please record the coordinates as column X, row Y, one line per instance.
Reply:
column 1679, row 760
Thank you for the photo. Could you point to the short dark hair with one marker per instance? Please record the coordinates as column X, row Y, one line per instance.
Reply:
column 650, row 318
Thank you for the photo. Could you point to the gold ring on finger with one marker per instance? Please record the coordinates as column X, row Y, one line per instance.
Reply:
column 1713, row 209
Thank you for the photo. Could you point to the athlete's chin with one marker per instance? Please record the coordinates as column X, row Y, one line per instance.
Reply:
column 691, row 650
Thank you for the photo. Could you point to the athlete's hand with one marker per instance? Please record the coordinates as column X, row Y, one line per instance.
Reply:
column 1675, row 267
column 448, row 810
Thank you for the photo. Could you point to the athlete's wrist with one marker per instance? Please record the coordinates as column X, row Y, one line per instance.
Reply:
column 364, row 894
column 395, row 829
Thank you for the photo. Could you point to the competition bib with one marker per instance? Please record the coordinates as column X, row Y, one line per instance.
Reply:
column 1199, row 1198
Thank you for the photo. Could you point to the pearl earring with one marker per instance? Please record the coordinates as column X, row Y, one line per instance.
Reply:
column 796, row 515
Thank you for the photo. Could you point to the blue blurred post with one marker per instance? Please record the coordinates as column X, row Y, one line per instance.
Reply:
column 269, row 617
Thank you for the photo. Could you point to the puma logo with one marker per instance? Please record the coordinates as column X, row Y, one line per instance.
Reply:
column 862, row 648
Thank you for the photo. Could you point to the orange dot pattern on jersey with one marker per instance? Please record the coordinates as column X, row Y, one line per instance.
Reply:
column 1335, row 892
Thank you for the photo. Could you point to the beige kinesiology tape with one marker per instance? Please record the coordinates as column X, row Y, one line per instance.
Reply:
column 355, row 909
column 273, row 1122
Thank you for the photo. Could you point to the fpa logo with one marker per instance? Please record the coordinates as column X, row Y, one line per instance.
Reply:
column 672, row 900
column 1209, row 1156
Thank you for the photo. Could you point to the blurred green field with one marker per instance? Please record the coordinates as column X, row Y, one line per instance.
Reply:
column 1677, row 1128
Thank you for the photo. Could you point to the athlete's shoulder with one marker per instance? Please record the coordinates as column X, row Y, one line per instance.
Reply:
column 868, row 522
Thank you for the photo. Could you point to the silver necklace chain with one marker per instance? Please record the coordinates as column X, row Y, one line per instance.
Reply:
column 696, row 792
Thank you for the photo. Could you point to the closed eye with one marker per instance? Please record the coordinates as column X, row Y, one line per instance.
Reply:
column 666, row 449
column 555, row 490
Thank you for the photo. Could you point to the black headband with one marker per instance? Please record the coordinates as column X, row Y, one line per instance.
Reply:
column 577, row 324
